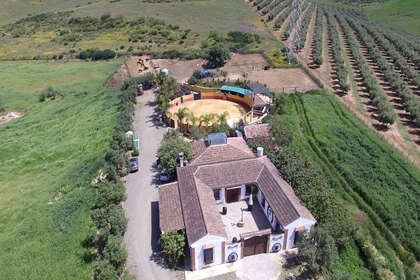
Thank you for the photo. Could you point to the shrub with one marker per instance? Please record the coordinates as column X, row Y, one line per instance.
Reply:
column 48, row 93
column 115, row 253
column 118, row 159
column 173, row 244
column 318, row 251
column 2, row 104
column 111, row 217
column 96, row 54
column 135, row 153
column 103, row 270
column 110, row 193
column 197, row 132
column 217, row 55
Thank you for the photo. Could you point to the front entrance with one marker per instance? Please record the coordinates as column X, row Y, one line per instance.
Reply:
column 233, row 194
column 255, row 245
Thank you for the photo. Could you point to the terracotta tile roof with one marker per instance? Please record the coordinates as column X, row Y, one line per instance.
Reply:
column 211, row 214
column 235, row 149
column 170, row 212
column 229, row 173
column 193, row 216
column 195, row 192
column 257, row 130
column 287, row 189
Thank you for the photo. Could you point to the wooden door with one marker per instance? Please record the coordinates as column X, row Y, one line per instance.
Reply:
column 233, row 194
column 255, row 245
column 260, row 244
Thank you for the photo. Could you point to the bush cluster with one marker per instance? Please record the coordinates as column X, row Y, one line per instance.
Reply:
column 48, row 93
column 148, row 80
column 168, row 153
column 106, row 240
column 95, row 54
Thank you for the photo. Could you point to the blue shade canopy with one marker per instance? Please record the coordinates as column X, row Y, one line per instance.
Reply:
column 237, row 90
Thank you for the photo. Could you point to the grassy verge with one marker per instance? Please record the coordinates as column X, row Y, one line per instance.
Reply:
column 47, row 160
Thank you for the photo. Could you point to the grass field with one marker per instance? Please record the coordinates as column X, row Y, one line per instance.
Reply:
column 47, row 159
column 350, row 155
column 404, row 14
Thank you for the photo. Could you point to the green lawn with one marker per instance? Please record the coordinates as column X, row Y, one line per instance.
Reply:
column 404, row 14
column 347, row 151
column 47, row 159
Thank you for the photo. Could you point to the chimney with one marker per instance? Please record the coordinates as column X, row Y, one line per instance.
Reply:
column 181, row 159
column 260, row 151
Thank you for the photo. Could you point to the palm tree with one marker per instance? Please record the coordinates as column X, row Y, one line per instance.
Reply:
column 193, row 119
column 181, row 115
column 207, row 118
column 222, row 118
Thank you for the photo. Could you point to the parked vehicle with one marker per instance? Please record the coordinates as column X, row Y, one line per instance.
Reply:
column 164, row 176
column 134, row 164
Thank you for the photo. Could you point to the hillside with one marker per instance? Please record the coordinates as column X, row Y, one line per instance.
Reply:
column 47, row 160
column 403, row 14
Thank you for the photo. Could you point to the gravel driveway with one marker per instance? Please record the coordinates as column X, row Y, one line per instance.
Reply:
column 141, row 206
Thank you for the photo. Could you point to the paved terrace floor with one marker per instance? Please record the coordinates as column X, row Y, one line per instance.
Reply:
column 254, row 220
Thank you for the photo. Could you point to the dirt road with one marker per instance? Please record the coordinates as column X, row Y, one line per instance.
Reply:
column 141, row 206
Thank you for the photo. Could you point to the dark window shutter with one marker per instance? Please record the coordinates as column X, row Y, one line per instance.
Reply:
column 208, row 256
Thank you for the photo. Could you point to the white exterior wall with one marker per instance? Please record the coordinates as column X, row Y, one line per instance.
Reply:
column 291, row 230
column 243, row 192
column 232, row 248
column 217, row 243
column 222, row 199
column 274, row 239
column 274, row 221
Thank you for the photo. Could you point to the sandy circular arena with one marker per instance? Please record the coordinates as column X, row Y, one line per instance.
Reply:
column 211, row 106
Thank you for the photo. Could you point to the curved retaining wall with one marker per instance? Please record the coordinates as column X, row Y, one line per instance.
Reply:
column 207, row 93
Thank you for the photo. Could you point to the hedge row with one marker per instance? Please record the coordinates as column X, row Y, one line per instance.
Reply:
column 106, row 239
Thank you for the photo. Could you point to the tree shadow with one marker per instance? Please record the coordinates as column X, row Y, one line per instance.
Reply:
column 157, row 255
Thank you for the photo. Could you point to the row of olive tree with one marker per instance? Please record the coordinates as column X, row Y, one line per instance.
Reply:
column 283, row 16
column 385, row 110
column 304, row 25
column 293, row 20
column 271, row 7
column 410, row 102
column 317, row 39
column 276, row 11
column 337, row 51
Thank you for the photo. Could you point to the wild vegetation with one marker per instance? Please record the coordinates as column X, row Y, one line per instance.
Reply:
column 61, row 34
column 327, row 130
